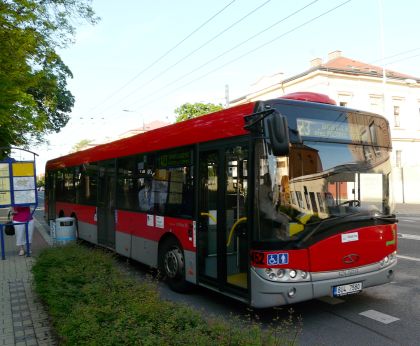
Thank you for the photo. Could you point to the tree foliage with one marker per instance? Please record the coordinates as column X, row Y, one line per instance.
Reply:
column 193, row 110
column 81, row 145
column 40, row 181
column 34, row 99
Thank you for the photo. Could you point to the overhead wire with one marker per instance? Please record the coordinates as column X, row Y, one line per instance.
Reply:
column 247, row 53
column 403, row 59
column 229, row 50
column 160, row 74
column 163, row 56
column 384, row 64
column 395, row 55
column 243, row 55
column 236, row 46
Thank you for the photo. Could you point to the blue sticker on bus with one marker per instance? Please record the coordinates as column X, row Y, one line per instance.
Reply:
column 278, row 258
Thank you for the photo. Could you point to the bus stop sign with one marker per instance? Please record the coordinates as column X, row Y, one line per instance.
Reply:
column 17, row 183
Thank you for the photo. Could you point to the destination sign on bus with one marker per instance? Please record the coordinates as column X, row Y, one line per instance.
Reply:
column 353, row 127
column 326, row 129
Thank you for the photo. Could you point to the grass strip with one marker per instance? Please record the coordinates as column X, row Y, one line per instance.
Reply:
column 91, row 302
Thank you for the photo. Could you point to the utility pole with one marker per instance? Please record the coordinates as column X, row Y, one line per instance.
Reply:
column 382, row 36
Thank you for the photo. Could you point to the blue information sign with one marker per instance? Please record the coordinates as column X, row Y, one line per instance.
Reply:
column 278, row 258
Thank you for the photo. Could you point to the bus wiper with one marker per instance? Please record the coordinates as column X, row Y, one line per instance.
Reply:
column 322, row 222
column 386, row 218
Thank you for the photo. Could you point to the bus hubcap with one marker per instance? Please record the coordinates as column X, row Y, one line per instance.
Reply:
column 173, row 263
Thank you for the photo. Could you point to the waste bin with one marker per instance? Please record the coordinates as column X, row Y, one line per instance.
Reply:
column 65, row 230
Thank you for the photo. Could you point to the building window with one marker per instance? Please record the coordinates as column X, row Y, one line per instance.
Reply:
column 398, row 106
column 398, row 158
column 376, row 104
column 397, row 116
column 344, row 98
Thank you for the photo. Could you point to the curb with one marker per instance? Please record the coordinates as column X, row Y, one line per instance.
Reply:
column 42, row 229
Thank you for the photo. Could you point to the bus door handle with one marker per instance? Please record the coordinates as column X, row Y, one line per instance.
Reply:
column 210, row 216
column 232, row 230
column 204, row 221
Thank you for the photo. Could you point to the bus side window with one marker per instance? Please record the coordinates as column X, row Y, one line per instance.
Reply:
column 146, row 195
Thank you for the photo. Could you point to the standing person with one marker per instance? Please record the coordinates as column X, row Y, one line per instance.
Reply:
column 275, row 224
column 146, row 198
column 22, row 214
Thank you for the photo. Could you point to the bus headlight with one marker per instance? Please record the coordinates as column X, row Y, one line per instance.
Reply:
column 280, row 273
column 283, row 275
column 388, row 260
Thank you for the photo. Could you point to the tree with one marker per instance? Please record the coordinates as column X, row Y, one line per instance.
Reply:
column 34, row 99
column 189, row 111
column 82, row 145
column 40, row 181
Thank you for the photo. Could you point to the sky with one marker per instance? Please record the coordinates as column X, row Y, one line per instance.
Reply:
column 146, row 58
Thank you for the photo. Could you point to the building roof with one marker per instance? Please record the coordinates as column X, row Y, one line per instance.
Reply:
column 346, row 65
column 340, row 64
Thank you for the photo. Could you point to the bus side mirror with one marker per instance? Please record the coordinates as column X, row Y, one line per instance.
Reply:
column 278, row 133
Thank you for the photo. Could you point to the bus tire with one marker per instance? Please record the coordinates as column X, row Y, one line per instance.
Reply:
column 172, row 265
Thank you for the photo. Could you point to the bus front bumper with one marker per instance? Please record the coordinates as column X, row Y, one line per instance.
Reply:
column 265, row 293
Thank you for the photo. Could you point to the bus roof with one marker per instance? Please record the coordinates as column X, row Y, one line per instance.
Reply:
column 218, row 125
column 222, row 124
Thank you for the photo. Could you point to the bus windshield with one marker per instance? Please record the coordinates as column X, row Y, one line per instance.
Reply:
column 319, row 180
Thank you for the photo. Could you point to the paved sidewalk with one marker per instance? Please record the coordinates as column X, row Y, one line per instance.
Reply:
column 23, row 319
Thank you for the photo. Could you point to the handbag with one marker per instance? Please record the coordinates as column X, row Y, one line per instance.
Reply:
column 9, row 228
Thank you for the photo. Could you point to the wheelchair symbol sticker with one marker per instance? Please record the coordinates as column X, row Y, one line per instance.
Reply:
column 277, row 258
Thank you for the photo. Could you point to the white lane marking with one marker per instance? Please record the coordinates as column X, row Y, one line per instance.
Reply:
column 379, row 316
column 408, row 236
column 411, row 221
column 409, row 258
column 331, row 300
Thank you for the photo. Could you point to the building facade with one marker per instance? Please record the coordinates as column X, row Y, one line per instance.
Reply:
column 366, row 87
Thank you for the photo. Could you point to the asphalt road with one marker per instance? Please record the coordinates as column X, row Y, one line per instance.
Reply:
column 384, row 315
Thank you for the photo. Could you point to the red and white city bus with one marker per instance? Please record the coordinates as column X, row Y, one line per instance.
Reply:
column 271, row 202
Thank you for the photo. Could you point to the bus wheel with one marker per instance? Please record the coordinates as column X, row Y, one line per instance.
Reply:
column 172, row 266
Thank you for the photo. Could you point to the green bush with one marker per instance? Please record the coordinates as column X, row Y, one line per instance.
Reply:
column 91, row 302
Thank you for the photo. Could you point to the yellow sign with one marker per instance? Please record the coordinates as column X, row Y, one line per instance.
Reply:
column 5, row 198
column 23, row 169
column 4, row 184
column 4, row 170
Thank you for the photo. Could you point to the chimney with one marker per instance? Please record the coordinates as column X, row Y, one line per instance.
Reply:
column 316, row 62
column 333, row 55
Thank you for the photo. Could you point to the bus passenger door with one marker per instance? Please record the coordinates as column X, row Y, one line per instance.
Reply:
column 106, row 203
column 222, row 228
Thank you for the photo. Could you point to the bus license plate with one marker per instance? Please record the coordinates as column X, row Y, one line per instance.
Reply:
column 344, row 290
